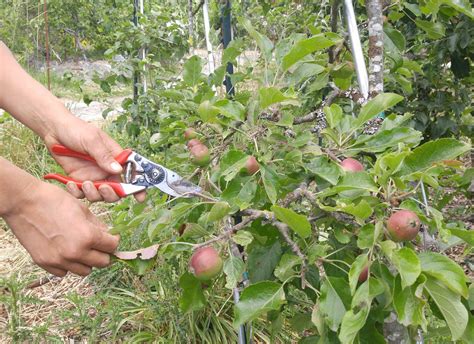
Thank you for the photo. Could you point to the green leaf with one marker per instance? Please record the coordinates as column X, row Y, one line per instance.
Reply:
column 325, row 169
column 258, row 299
column 306, row 70
column 386, row 139
column 192, row 298
column 305, row 47
column 230, row 172
column 462, row 6
column 243, row 238
column 262, row 260
column 409, row 308
column 408, row 265
column 331, row 306
column 394, row 40
column 284, row 269
column 375, row 106
column 333, row 115
column 431, row 152
column 353, row 181
column 467, row 236
column 218, row 211
column 246, row 194
column 450, row 305
column 234, row 267
column 272, row 95
column 356, row 268
column 231, row 109
column 192, row 70
column 270, row 182
column 351, row 324
column 445, row 270
column 433, row 30
column 368, row 235
column 298, row 223
column 264, row 44
column 208, row 112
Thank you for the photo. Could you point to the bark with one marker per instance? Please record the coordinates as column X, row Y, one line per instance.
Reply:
column 374, row 14
column 334, row 26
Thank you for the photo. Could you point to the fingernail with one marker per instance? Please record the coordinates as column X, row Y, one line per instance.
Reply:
column 87, row 186
column 116, row 166
column 70, row 186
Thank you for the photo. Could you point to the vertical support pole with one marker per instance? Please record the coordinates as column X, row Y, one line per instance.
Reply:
column 356, row 48
column 135, row 73
column 207, row 29
column 191, row 27
column 226, row 38
column 46, row 42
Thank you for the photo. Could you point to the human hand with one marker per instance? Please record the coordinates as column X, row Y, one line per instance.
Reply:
column 86, row 138
column 59, row 232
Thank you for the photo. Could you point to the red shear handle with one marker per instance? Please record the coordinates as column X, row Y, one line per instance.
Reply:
column 63, row 179
column 62, row 150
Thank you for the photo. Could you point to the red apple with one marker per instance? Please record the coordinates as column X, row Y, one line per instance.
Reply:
column 205, row 263
column 190, row 133
column 351, row 165
column 364, row 275
column 193, row 142
column 251, row 165
column 403, row 225
column 200, row 155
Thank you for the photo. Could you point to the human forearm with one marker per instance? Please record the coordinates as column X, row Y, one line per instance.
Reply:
column 27, row 100
column 14, row 186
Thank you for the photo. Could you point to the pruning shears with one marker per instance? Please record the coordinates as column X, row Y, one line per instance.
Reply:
column 139, row 174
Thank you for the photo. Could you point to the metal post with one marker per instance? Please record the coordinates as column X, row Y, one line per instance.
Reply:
column 356, row 48
column 226, row 38
column 207, row 29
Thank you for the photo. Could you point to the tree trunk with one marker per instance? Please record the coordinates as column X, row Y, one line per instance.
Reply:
column 374, row 13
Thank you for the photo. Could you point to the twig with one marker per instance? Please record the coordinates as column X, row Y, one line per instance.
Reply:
column 284, row 231
column 198, row 7
column 331, row 155
column 231, row 230
column 42, row 281
column 318, row 113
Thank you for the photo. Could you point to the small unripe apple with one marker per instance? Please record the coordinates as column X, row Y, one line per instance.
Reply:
column 364, row 274
column 403, row 225
column 205, row 263
column 351, row 165
column 190, row 133
column 193, row 142
column 251, row 165
column 200, row 155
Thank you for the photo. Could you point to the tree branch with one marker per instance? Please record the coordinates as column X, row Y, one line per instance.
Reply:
column 198, row 7
column 318, row 114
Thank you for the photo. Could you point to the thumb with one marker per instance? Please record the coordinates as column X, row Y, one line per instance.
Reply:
column 104, row 154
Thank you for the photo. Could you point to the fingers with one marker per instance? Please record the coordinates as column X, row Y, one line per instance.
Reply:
column 103, row 149
column 140, row 196
column 55, row 271
column 74, row 190
column 106, row 242
column 78, row 268
column 96, row 259
column 103, row 193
